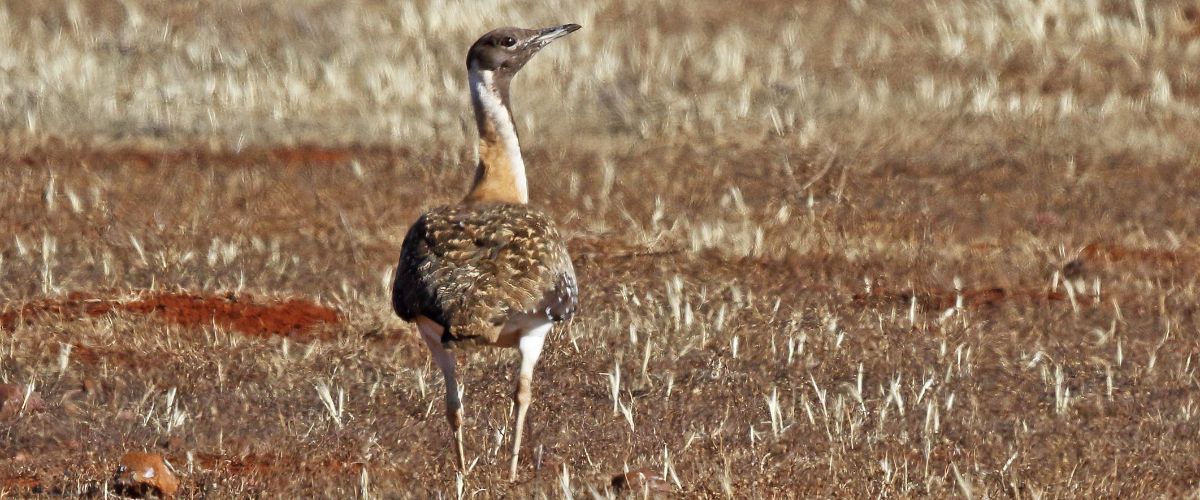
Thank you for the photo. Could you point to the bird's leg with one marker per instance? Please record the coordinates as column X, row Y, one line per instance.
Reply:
column 531, row 348
column 454, row 412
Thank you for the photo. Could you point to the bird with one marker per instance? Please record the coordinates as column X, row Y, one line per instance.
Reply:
column 490, row 270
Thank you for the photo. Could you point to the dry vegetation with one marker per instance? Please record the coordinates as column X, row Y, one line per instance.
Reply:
column 843, row 249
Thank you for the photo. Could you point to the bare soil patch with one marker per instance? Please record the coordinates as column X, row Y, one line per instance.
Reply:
column 1111, row 252
column 942, row 299
column 294, row 318
column 58, row 153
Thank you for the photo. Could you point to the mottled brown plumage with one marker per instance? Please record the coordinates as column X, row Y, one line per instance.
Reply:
column 472, row 267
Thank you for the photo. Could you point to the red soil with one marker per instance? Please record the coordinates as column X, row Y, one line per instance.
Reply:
column 250, row 465
column 1115, row 253
column 944, row 299
column 295, row 318
column 19, row 483
column 294, row 156
column 265, row 464
column 289, row 318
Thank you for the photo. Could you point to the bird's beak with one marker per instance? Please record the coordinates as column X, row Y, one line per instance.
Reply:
column 548, row 35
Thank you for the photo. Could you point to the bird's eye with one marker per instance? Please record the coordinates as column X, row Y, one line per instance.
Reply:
column 508, row 41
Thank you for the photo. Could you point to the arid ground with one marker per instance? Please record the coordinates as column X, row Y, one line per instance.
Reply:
column 839, row 249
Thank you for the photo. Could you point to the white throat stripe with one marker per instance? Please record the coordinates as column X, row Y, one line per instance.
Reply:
column 487, row 98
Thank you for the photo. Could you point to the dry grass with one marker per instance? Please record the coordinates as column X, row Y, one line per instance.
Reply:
column 835, row 249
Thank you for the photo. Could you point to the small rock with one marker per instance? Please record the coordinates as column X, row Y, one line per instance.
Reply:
column 644, row 479
column 12, row 401
column 141, row 474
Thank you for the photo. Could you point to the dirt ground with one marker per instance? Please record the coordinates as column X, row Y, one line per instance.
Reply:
column 914, row 291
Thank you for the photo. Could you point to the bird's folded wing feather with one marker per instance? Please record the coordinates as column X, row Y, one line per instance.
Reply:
column 470, row 267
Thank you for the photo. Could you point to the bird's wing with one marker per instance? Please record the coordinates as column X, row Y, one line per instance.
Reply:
column 471, row 267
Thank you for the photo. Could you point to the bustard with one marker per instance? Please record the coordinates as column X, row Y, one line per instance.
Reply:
column 489, row 270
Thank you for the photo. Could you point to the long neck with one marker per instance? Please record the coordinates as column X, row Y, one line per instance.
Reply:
column 500, row 174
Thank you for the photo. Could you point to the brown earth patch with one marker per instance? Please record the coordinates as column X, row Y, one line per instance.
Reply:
column 15, row 399
column 73, row 304
column 56, row 153
column 22, row 483
column 1111, row 252
column 254, row 464
column 941, row 299
column 293, row 318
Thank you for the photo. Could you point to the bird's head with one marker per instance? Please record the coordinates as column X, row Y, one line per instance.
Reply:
column 505, row 51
